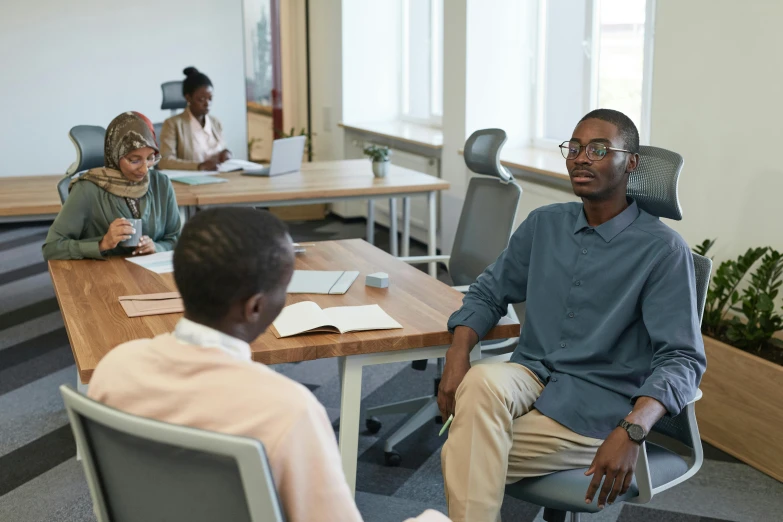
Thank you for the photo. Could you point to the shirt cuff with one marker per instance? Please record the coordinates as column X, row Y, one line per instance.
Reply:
column 90, row 249
column 473, row 319
column 662, row 391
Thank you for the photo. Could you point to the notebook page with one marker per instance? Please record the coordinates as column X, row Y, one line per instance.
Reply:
column 360, row 318
column 300, row 317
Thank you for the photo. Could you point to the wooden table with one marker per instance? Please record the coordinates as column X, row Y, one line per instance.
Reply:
column 36, row 197
column 332, row 181
column 88, row 293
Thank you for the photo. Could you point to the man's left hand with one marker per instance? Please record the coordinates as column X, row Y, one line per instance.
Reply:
column 615, row 460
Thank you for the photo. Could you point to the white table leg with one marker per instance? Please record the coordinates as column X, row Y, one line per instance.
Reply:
column 350, row 401
column 433, row 223
column 371, row 221
column 406, row 227
column 393, row 250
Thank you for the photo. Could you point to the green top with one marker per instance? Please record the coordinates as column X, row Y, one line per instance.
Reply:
column 89, row 210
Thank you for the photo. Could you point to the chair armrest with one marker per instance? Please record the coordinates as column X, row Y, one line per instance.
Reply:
column 687, row 421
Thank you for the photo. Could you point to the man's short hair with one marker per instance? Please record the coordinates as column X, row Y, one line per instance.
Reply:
column 624, row 124
column 228, row 254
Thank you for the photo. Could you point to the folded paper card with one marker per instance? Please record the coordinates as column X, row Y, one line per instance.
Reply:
column 152, row 304
column 321, row 282
column 309, row 317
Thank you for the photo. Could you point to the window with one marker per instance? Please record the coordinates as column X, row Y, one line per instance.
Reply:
column 422, row 61
column 591, row 54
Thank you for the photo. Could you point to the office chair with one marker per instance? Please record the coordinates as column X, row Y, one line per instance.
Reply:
column 158, row 127
column 89, row 142
column 139, row 469
column 654, row 187
column 485, row 226
column 173, row 99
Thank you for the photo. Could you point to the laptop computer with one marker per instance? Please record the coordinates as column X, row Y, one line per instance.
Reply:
column 286, row 157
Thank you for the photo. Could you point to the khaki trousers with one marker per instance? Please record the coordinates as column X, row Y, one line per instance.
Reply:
column 498, row 438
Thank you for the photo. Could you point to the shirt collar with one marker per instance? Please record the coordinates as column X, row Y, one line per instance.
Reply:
column 614, row 226
column 207, row 128
column 189, row 332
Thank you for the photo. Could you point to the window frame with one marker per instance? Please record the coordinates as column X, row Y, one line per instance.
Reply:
column 590, row 47
column 434, row 120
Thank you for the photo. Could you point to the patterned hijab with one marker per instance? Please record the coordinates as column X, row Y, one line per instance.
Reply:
column 127, row 132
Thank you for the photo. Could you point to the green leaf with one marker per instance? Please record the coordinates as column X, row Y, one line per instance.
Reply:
column 765, row 304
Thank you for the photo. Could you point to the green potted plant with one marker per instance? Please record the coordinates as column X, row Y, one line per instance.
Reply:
column 742, row 408
column 380, row 159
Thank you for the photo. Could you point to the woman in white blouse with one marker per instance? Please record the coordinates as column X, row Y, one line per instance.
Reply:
column 193, row 140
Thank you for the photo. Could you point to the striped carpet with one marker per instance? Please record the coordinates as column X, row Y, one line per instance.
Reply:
column 40, row 479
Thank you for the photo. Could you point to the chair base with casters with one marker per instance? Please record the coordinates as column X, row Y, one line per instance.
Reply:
column 658, row 468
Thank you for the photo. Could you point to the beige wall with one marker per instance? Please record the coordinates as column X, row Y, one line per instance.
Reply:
column 716, row 87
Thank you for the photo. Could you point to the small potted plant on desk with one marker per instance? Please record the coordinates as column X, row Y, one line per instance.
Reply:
column 380, row 160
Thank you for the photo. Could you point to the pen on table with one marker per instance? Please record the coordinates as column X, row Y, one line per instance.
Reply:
column 446, row 425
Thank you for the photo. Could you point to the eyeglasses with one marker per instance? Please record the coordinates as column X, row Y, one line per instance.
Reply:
column 595, row 150
column 137, row 162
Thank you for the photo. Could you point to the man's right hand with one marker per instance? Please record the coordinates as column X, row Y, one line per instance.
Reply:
column 119, row 230
column 457, row 365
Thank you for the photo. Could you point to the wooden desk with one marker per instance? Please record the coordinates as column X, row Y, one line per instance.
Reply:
column 329, row 182
column 88, row 294
column 33, row 198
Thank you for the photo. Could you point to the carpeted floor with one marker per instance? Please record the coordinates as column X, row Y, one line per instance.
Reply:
column 40, row 479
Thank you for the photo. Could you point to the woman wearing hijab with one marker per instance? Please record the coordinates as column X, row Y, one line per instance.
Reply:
column 94, row 218
column 193, row 140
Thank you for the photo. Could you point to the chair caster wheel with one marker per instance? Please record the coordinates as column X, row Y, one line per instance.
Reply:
column 392, row 458
column 373, row 425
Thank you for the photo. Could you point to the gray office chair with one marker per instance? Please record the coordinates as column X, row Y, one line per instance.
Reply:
column 140, row 469
column 173, row 99
column 89, row 143
column 485, row 226
column 659, row 467
column 158, row 127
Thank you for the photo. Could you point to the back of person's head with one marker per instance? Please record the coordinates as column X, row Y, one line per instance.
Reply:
column 194, row 80
column 625, row 126
column 229, row 260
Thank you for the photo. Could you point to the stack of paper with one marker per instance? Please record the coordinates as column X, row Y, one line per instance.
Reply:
column 238, row 164
column 160, row 263
column 309, row 317
column 199, row 180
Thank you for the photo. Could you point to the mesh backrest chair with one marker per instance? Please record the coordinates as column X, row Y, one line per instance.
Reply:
column 660, row 466
column 157, row 127
column 140, row 469
column 173, row 99
column 89, row 142
column 485, row 226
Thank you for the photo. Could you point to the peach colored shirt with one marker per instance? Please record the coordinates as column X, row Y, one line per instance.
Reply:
column 203, row 378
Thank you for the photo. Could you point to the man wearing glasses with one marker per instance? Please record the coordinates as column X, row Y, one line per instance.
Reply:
column 610, row 344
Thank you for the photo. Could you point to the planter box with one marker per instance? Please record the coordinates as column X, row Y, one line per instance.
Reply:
column 741, row 412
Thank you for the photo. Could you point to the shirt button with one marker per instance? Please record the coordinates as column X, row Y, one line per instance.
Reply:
column 562, row 345
column 571, row 314
column 584, row 251
column 578, row 283
column 553, row 379
column 590, row 230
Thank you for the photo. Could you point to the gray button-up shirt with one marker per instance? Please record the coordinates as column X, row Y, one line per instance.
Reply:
column 610, row 317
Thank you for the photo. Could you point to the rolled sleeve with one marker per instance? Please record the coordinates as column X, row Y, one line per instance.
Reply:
column 669, row 311
column 502, row 283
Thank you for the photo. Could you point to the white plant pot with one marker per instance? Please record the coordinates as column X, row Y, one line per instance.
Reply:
column 380, row 168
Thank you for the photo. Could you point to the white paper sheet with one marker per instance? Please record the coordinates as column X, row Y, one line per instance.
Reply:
column 160, row 263
column 238, row 164
column 174, row 174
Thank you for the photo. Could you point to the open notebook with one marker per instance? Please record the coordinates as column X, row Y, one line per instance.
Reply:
column 238, row 164
column 309, row 317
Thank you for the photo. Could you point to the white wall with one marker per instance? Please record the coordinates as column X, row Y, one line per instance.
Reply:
column 86, row 61
column 715, row 92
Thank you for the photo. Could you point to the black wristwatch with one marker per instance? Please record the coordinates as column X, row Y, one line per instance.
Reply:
column 635, row 432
